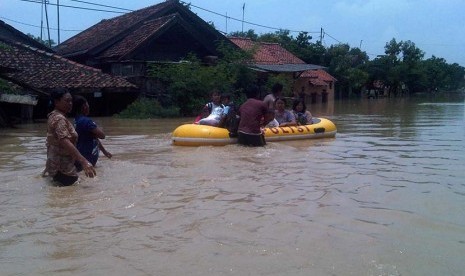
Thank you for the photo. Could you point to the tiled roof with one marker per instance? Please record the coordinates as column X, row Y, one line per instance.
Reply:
column 267, row 53
column 137, row 37
column 109, row 30
column 319, row 74
column 44, row 70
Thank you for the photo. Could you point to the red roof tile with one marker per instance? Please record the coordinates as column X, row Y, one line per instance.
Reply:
column 267, row 53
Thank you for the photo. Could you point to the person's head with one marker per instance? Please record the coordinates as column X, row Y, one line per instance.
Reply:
column 225, row 98
column 280, row 104
column 216, row 96
column 62, row 100
column 299, row 105
column 277, row 89
column 81, row 106
column 251, row 91
column 269, row 116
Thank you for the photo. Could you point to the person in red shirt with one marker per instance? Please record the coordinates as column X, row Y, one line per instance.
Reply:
column 252, row 113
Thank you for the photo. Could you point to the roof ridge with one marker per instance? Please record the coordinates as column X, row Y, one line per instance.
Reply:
column 168, row 19
column 111, row 28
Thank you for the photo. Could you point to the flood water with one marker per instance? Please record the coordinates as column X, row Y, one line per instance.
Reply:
column 385, row 197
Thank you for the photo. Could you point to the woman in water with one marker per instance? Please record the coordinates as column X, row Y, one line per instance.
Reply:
column 61, row 143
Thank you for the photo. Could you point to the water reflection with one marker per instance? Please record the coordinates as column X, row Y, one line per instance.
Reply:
column 385, row 197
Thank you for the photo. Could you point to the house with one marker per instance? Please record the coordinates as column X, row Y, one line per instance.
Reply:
column 129, row 44
column 309, row 81
column 316, row 86
column 32, row 70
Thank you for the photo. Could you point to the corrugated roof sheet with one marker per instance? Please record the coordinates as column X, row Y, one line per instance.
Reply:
column 318, row 74
column 286, row 67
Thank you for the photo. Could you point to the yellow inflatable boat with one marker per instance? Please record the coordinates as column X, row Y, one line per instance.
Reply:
column 202, row 135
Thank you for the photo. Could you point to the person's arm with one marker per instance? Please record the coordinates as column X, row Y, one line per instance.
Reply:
column 104, row 151
column 203, row 114
column 269, row 101
column 290, row 120
column 87, row 167
column 98, row 133
column 309, row 117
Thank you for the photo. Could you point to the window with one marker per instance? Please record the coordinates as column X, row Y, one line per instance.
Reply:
column 127, row 70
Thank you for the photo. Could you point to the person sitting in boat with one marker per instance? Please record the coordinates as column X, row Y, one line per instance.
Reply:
column 270, row 116
column 283, row 116
column 301, row 114
column 230, row 118
column 213, row 111
column 228, row 106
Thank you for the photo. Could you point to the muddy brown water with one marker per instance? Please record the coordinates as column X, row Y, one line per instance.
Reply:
column 385, row 197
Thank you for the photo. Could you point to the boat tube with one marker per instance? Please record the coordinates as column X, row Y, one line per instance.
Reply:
column 203, row 135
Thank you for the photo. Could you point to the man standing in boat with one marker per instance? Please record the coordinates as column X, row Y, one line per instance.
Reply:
column 276, row 91
column 253, row 113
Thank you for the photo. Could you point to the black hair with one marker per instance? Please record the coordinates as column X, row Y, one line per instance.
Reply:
column 55, row 95
column 282, row 99
column 277, row 87
column 252, row 91
column 78, row 102
column 226, row 96
column 270, row 111
column 58, row 93
column 296, row 102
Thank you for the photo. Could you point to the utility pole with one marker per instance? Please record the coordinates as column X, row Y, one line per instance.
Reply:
column 321, row 35
column 58, row 18
column 41, row 19
column 243, row 11
column 48, row 27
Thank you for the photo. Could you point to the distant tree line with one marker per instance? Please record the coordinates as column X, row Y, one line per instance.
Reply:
column 402, row 68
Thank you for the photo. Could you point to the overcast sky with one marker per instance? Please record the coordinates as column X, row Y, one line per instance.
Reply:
column 435, row 26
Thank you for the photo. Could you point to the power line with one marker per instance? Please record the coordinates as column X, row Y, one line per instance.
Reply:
column 35, row 26
column 332, row 37
column 124, row 10
column 100, row 5
column 248, row 22
column 76, row 7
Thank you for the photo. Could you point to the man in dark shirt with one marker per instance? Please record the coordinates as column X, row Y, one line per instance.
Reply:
column 253, row 115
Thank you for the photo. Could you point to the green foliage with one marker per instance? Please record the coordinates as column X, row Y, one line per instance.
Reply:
column 49, row 43
column 4, row 47
column 5, row 87
column 285, row 80
column 189, row 84
column 144, row 108
column 249, row 34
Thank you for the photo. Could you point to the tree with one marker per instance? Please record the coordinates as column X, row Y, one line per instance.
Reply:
column 49, row 43
column 187, row 85
column 249, row 34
